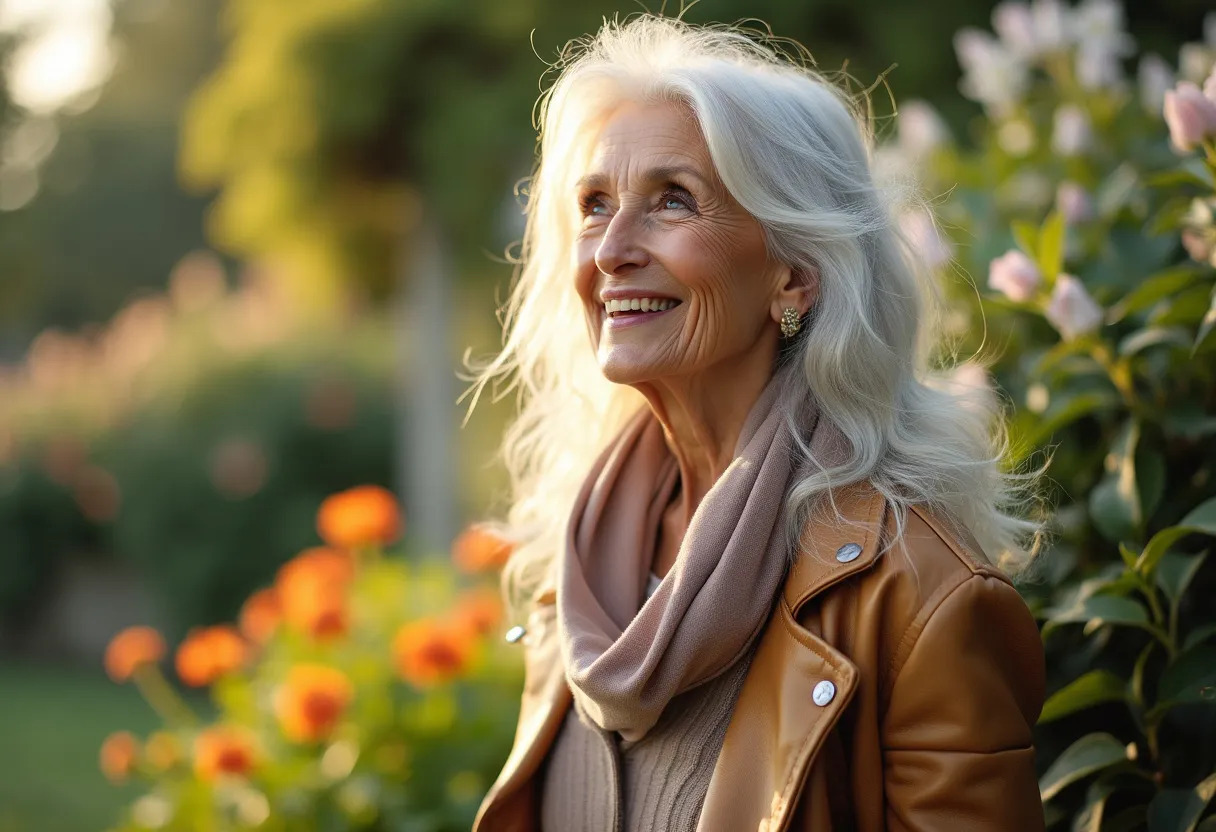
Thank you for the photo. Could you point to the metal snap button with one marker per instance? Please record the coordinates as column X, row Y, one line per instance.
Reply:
column 515, row 633
column 848, row 552
column 824, row 693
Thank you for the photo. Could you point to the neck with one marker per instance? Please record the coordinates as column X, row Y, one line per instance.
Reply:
column 702, row 416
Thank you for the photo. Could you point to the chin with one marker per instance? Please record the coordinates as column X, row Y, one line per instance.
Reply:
column 621, row 372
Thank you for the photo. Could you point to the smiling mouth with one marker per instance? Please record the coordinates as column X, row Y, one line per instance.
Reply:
column 638, row 307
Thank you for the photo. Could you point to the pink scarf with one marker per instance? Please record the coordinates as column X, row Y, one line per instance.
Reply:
column 626, row 659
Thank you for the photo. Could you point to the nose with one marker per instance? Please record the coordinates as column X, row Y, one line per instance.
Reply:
column 620, row 250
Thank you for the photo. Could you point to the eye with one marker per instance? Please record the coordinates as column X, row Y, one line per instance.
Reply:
column 590, row 205
column 676, row 199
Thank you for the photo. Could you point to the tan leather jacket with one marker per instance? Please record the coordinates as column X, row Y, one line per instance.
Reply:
column 887, row 692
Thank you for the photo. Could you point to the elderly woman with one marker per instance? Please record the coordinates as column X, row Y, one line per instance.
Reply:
column 755, row 583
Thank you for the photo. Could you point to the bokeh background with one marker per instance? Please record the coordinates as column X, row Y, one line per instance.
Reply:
column 244, row 246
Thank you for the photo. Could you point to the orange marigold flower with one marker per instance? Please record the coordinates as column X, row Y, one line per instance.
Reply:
column 311, row 701
column 479, row 550
column 478, row 610
column 312, row 592
column 209, row 653
column 260, row 615
column 119, row 753
column 163, row 750
column 362, row 516
column 224, row 750
column 430, row 651
column 131, row 648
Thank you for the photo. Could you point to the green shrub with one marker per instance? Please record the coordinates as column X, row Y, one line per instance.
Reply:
column 1099, row 325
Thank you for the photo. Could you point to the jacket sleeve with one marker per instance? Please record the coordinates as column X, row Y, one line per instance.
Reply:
column 968, row 688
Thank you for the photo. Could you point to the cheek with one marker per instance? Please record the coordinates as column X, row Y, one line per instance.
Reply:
column 584, row 268
column 714, row 266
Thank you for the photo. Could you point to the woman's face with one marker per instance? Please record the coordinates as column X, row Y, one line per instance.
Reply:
column 658, row 223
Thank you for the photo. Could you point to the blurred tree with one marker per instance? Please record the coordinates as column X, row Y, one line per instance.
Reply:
column 358, row 141
column 109, row 219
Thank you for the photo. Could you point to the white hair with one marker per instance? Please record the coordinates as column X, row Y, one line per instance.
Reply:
column 794, row 150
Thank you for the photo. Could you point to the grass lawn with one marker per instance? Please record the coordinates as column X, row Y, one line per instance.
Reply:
column 52, row 722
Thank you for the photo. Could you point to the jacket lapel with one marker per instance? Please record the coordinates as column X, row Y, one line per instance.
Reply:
column 509, row 805
column 777, row 727
column 798, row 684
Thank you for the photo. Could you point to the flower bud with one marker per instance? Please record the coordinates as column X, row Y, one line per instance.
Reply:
column 1071, row 310
column 1191, row 116
column 1015, row 275
column 1073, row 202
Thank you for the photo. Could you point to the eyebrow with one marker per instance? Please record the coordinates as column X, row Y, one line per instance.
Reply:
column 599, row 181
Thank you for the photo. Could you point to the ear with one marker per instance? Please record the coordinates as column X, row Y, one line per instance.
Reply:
column 799, row 288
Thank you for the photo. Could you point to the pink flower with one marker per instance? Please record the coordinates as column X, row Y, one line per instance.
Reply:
column 1015, row 275
column 921, row 129
column 1015, row 27
column 1190, row 114
column 1071, row 310
column 1074, row 203
column 1071, row 132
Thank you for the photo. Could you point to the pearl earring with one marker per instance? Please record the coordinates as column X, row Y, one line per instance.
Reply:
column 790, row 324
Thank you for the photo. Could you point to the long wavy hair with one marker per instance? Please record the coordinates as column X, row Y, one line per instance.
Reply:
column 794, row 149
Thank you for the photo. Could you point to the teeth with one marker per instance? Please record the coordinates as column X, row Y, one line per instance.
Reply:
column 639, row 305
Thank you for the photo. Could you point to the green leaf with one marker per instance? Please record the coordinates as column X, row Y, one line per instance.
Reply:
column 1155, row 336
column 1190, row 307
column 1161, row 285
column 1175, row 572
column 1150, row 478
column 1057, row 354
column 1089, row 819
column 1201, row 520
column 1116, row 190
column 1178, row 810
column 1138, row 672
column 1169, row 217
column 1065, row 411
column 1027, row 237
column 1192, row 171
column 1188, row 421
column 1098, row 610
column 1116, row 504
column 1191, row 677
column 1051, row 247
column 1129, row 556
column 1093, row 688
column 1108, row 510
column 1091, row 753
column 1199, row 635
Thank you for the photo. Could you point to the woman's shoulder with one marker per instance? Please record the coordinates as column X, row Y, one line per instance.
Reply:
column 917, row 593
column 866, row 562
column 860, row 531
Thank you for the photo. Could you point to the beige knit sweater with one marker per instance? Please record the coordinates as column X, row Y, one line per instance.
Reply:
column 594, row 781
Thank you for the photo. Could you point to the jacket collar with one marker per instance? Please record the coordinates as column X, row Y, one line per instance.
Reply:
column 776, row 718
column 798, row 684
column 828, row 553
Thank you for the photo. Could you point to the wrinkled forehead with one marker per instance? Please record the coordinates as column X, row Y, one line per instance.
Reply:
column 633, row 139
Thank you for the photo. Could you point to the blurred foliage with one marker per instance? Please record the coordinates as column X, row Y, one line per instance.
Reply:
column 331, row 128
column 396, row 717
column 192, row 437
column 1099, row 326
column 109, row 220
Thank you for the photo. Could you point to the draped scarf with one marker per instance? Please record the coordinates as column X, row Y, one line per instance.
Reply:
column 626, row 656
